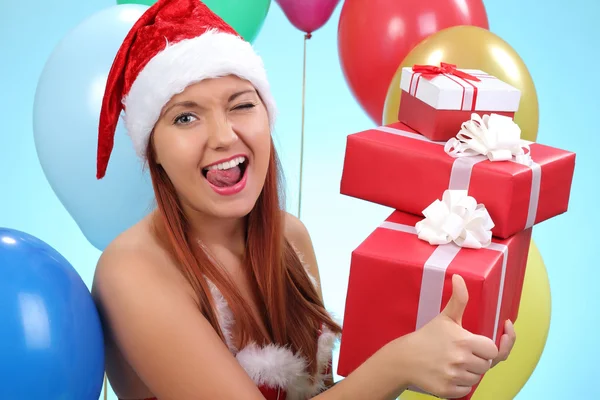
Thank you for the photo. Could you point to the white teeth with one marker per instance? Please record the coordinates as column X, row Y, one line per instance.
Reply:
column 228, row 164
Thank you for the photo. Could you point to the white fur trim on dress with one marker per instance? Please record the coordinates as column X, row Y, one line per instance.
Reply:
column 213, row 54
column 276, row 367
column 224, row 315
column 326, row 344
column 300, row 255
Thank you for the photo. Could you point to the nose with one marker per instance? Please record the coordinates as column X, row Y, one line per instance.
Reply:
column 221, row 134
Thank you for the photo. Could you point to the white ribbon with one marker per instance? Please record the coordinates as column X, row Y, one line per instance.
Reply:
column 496, row 136
column 457, row 218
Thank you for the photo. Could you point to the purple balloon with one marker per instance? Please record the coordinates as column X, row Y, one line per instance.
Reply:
column 308, row 15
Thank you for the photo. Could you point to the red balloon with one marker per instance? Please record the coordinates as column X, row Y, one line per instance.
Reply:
column 374, row 36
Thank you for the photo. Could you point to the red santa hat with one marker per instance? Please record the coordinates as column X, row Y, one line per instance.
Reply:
column 175, row 43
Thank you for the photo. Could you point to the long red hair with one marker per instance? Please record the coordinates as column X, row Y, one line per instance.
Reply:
column 292, row 310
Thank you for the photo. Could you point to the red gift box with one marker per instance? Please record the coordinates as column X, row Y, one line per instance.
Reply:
column 398, row 283
column 396, row 167
column 435, row 101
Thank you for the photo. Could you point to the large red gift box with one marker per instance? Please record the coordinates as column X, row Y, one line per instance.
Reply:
column 395, row 166
column 434, row 101
column 398, row 283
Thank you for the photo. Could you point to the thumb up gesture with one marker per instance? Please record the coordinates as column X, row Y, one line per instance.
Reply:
column 457, row 304
column 447, row 360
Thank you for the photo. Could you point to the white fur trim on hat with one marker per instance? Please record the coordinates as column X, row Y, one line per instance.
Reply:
column 210, row 55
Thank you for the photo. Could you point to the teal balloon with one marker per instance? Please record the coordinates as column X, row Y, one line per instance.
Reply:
column 141, row 2
column 65, row 127
column 245, row 16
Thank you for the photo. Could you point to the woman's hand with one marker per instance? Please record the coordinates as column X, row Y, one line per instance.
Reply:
column 444, row 359
column 507, row 341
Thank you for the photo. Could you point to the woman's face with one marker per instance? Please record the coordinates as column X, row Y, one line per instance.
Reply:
column 213, row 141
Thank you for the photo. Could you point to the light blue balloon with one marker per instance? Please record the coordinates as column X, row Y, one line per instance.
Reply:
column 65, row 126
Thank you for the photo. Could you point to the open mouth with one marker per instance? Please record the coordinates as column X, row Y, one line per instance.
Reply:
column 227, row 173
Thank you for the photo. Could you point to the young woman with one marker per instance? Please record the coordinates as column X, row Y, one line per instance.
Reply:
column 215, row 294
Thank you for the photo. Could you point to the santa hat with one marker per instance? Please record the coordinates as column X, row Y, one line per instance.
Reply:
column 175, row 43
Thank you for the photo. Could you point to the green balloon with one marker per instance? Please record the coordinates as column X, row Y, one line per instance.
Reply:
column 245, row 16
column 142, row 2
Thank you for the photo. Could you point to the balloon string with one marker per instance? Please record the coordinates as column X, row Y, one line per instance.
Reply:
column 306, row 37
column 105, row 388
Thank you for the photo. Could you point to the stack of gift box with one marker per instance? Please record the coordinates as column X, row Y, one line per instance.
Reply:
column 466, row 190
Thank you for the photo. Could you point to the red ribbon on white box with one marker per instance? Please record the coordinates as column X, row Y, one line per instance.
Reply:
column 460, row 176
column 465, row 80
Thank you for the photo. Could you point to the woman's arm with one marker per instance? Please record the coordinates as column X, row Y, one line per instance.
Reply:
column 381, row 376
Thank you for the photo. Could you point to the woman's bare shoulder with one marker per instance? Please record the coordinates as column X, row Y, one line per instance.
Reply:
column 152, row 318
column 133, row 261
column 294, row 228
column 297, row 234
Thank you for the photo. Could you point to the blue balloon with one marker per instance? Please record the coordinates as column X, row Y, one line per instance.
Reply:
column 65, row 126
column 51, row 341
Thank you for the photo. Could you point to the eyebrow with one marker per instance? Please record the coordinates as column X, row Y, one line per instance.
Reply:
column 191, row 104
column 187, row 103
column 238, row 94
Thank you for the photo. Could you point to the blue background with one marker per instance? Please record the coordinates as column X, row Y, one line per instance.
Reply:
column 558, row 42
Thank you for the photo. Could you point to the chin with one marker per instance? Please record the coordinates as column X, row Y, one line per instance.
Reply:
column 234, row 206
column 234, row 209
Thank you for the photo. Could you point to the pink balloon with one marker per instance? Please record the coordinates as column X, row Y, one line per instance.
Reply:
column 308, row 15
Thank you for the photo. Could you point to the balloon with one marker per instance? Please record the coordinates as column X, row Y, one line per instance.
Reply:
column 506, row 379
column 308, row 15
column 476, row 48
column 65, row 126
column 374, row 36
column 142, row 2
column 51, row 339
column 245, row 16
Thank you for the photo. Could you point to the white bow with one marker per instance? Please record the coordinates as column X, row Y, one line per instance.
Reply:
column 457, row 218
column 496, row 136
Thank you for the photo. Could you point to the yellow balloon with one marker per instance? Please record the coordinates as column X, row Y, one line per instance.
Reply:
column 506, row 379
column 475, row 48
